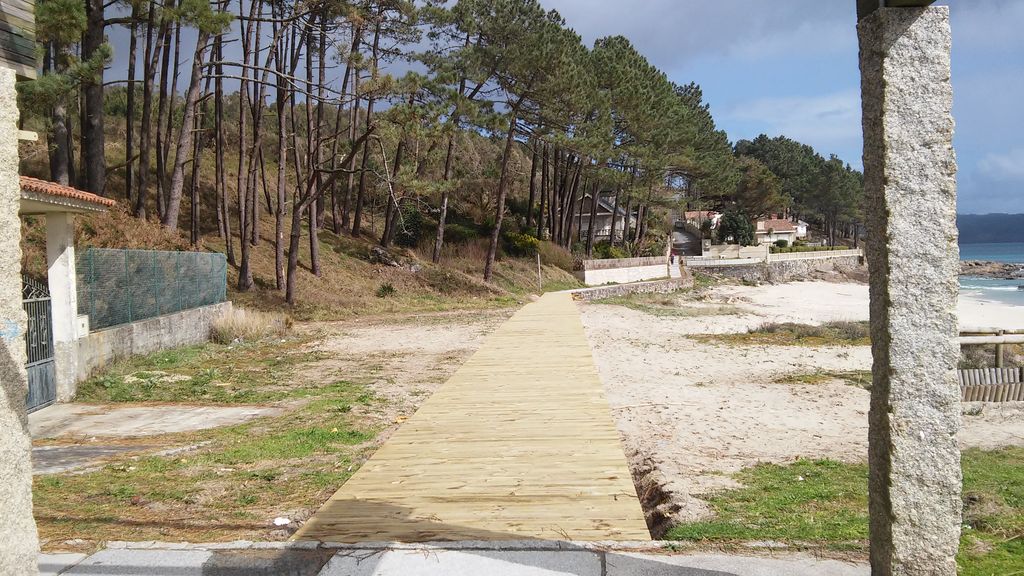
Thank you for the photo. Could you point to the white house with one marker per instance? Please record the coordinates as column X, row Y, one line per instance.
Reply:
column 771, row 230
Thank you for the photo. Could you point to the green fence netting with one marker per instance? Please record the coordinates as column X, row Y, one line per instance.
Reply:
column 122, row 286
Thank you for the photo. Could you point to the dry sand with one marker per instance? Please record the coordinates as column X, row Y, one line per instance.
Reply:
column 692, row 413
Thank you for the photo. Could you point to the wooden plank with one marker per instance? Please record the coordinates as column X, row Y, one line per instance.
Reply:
column 519, row 443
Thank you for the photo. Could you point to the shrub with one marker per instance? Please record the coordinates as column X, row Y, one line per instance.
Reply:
column 385, row 290
column 241, row 325
column 652, row 246
column 782, row 243
column 521, row 244
column 603, row 250
column 554, row 255
column 458, row 234
column 412, row 226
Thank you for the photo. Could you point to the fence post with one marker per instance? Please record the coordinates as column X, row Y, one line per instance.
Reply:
column 177, row 278
column 127, row 286
column 540, row 280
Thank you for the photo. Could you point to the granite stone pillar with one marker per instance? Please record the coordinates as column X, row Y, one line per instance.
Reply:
column 19, row 543
column 909, row 179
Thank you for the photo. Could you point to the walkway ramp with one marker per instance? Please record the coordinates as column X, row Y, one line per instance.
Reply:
column 518, row 444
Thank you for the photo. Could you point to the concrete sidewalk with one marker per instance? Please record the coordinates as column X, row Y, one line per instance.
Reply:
column 510, row 558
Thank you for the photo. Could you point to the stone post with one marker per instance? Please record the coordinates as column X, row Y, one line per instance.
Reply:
column 60, row 260
column 909, row 180
column 19, row 544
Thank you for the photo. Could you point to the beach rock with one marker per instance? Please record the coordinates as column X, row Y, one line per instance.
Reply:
column 985, row 269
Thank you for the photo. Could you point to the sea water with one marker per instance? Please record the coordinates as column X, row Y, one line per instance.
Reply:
column 993, row 288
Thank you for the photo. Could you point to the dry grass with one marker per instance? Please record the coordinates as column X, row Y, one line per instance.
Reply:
column 793, row 334
column 241, row 325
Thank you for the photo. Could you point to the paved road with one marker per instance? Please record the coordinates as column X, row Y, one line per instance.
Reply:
column 522, row 558
column 685, row 243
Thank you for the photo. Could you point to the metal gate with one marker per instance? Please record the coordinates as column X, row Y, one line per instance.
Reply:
column 42, row 381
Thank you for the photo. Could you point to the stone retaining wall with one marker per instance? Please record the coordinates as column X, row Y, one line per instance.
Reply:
column 655, row 287
column 782, row 271
column 147, row 336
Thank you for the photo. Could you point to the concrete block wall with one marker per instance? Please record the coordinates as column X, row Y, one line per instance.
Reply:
column 184, row 328
column 626, row 270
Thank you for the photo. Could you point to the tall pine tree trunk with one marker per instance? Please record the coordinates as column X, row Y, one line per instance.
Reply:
column 361, row 192
column 223, row 210
column 506, row 155
column 60, row 157
column 129, row 134
column 186, row 134
column 93, row 140
column 591, row 230
column 150, row 57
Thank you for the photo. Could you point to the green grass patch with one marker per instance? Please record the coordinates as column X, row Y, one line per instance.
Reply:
column 858, row 378
column 230, row 486
column 793, row 334
column 809, row 500
column 671, row 304
column 245, row 373
column 823, row 502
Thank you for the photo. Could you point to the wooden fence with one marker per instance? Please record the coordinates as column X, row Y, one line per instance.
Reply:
column 992, row 385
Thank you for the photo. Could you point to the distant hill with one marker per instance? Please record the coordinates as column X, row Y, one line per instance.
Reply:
column 982, row 228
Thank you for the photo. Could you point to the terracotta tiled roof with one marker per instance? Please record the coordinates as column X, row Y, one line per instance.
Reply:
column 38, row 186
column 776, row 224
column 695, row 214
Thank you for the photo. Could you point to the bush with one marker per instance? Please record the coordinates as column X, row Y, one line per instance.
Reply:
column 385, row 290
column 412, row 226
column 241, row 325
column 652, row 246
column 604, row 250
column 458, row 234
column 521, row 244
column 554, row 255
column 782, row 243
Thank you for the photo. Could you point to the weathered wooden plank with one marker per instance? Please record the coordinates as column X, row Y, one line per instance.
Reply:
column 519, row 443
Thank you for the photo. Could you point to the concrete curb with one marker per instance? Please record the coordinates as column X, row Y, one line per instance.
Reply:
column 476, row 545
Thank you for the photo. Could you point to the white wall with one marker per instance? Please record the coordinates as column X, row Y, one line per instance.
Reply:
column 624, row 275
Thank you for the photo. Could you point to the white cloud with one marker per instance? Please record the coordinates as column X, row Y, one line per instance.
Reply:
column 672, row 32
column 827, row 122
column 1008, row 165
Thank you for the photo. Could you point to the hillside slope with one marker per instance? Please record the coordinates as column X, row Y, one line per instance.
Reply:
column 351, row 283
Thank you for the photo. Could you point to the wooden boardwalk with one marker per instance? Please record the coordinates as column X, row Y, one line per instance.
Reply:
column 518, row 444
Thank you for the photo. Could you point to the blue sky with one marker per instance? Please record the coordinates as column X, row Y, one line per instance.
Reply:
column 791, row 68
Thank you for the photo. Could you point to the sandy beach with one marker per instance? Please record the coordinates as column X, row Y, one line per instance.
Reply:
column 815, row 302
column 691, row 413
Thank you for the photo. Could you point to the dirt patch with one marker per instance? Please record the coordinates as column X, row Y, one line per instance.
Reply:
column 693, row 413
column 406, row 358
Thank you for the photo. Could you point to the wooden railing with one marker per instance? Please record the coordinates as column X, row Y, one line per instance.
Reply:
column 997, row 384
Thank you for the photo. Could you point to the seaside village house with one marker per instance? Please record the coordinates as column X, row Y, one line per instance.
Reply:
column 603, row 222
column 772, row 229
